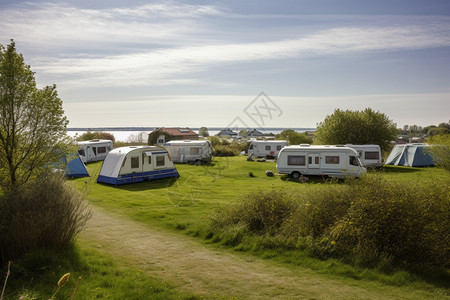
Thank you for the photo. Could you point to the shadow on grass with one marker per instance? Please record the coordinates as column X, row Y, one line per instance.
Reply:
column 399, row 169
column 312, row 179
column 145, row 185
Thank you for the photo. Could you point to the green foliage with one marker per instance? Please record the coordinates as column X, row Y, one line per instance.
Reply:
column 437, row 131
column 46, row 214
column 388, row 219
column 32, row 123
column 367, row 220
column 259, row 212
column 96, row 135
column 293, row 137
column 356, row 127
column 203, row 131
column 223, row 147
column 440, row 150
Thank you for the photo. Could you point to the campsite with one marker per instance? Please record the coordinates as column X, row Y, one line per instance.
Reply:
column 183, row 207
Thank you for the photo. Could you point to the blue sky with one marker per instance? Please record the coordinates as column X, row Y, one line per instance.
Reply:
column 205, row 63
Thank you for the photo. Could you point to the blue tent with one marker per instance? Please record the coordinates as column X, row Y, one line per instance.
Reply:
column 75, row 166
column 410, row 155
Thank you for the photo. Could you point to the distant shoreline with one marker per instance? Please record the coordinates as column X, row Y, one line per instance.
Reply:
column 193, row 128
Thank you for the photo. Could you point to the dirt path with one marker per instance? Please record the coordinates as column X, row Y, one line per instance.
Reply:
column 193, row 267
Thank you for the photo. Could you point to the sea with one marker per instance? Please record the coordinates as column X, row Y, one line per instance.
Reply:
column 136, row 134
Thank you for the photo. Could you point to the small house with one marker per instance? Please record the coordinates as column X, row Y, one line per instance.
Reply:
column 168, row 134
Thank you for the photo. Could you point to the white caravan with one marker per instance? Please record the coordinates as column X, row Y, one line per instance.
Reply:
column 185, row 151
column 263, row 148
column 94, row 150
column 136, row 163
column 370, row 155
column 333, row 161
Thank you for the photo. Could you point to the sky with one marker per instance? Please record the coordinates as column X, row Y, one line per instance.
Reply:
column 256, row 63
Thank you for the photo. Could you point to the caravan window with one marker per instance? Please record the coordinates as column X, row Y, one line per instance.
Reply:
column 101, row 150
column 353, row 161
column 160, row 161
column 135, row 162
column 279, row 147
column 296, row 160
column 81, row 152
column 332, row 160
column 149, row 160
column 372, row 155
column 194, row 151
column 268, row 148
column 316, row 160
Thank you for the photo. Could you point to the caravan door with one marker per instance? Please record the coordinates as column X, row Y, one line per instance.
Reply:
column 313, row 160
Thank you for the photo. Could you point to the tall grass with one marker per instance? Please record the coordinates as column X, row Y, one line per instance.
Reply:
column 36, row 275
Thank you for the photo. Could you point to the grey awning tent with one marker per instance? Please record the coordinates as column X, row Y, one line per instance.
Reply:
column 410, row 155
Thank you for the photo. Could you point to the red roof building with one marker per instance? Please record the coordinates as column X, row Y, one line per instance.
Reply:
column 177, row 133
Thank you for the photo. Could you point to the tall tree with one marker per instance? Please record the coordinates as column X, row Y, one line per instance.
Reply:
column 32, row 122
column 356, row 127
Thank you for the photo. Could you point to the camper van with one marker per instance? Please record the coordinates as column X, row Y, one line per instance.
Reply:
column 136, row 163
column 94, row 150
column 333, row 161
column 186, row 151
column 370, row 155
column 263, row 148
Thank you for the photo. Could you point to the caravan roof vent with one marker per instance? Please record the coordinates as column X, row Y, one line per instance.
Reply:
column 305, row 145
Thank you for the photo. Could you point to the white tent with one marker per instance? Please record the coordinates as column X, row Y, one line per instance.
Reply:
column 134, row 164
column 410, row 155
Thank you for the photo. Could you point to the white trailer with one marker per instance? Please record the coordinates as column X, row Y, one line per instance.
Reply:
column 332, row 161
column 136, row 163
column 264, row 148
column 94, row 150
column 370, row 155
column 186, row 151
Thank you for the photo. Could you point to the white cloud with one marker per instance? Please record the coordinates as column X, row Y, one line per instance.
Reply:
column 162, row 67
column 60, row 26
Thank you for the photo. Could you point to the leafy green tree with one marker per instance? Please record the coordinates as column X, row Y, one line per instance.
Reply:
column 32, row 123
column 293, row 137
column 92, row 135
column 356, row 127
column 203, row 131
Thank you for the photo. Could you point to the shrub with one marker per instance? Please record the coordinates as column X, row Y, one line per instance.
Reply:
column 318, row 210
column 260, row 212
column 369, row 220
column 440, row 150
column 45, row 215
column 223, row 147
column 100, row 135
column 389, row 219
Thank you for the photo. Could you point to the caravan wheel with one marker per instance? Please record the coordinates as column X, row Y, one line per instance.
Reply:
column 296, row 175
